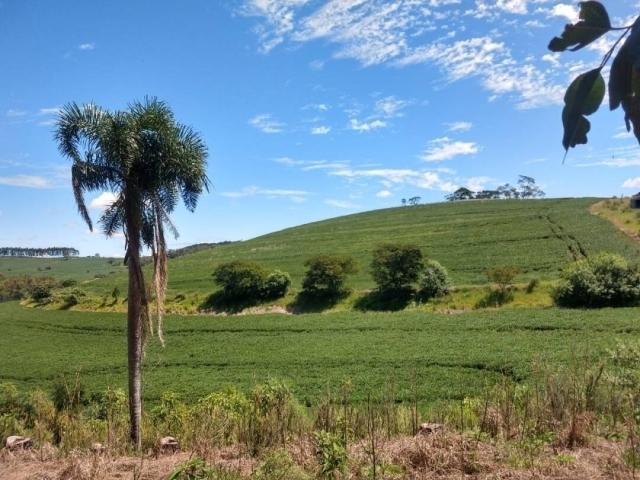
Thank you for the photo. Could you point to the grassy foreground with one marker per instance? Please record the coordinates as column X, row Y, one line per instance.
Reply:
column 453, row 356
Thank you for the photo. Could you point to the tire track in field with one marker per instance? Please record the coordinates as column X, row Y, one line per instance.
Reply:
column 576, row 250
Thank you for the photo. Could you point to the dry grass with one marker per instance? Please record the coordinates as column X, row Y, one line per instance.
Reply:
column 445, row 455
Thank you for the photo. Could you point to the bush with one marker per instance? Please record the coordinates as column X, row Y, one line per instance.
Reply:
column 40, row 292
column 326, row 275
column 435, row 281
column 331, row 453
column 503, row 277
column 240, row 280
column 278, row 465
column 276, row 285
column 396, row 267
column 605, row 280
column 532, row 285
column 69, row 283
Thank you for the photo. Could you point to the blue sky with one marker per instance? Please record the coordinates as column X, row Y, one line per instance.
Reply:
column 310, row 108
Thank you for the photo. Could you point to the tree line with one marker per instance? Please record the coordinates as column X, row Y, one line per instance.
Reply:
column 38, row 252
column 526, row 188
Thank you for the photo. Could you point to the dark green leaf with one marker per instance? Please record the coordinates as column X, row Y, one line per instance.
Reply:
column 584, row 96
column 622, row 69
column 594, row 22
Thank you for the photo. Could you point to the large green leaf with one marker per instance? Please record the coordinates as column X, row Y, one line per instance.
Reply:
column 584, row 96
column 594, row 22
column 624, row 68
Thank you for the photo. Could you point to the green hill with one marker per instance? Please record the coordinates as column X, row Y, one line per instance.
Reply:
column 537, row 236
column 76, row 268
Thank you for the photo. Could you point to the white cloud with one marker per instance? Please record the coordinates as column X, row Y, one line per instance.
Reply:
column 49, row 111
column 390, row 106
column 103, row 201
column 280, row 19
column 296, row 196
column 445, row 149
column 320, row 130
column 569, row 12
column 477, row 183
column 344, row 204
column 428, row 180
column 12, row 113
column 26, row 181
column 631, row 183
column 266, row 123
column 459, row 126
column 87, row 46
column 366, row 126
column 383, row 194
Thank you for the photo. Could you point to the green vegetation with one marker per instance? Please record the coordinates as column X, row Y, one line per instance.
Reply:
column 467, row 238
column 452, row 356
column 396, row 267
column 81, row 269
column 434, row 282
column 326, row 276
column 604, row 280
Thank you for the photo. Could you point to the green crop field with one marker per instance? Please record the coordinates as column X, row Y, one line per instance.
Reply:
column 538, row 236
column 451, row 355
column 76, row 268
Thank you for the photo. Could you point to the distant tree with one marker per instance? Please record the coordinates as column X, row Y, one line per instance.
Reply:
column 415, row 201
column 488, row 195
column 461, row 194
column 396, row 267
column 404, row 202
column 503, row 277
column 38, row 252
column 115, row 294
column 240, row 280
column 508, row 191
column 528, row 187
column 149, row 161
column 326, row 275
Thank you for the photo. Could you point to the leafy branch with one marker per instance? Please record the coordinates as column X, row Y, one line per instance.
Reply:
column 586, row 93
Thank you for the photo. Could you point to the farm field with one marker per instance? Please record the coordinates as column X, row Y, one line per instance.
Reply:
column 537, row 236
column 452, row 355
column 77, row 268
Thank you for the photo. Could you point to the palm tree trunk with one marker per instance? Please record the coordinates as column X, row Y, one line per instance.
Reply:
column 134, row 318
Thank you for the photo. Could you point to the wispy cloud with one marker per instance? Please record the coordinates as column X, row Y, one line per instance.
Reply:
column 14, row 113
column 297, row 196
column 87, row 46
column 266, row 123
column 344, row 204
column 366, row 126
column 26, row 181
column 445, row 149
column 459, row 126
column 320, row 130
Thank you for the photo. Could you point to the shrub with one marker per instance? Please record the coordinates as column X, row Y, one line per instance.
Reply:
column 503, row 277
column 276, row 285
column 605, row 280
column 240, row 280
column 40, row 292
column 396, row 267
column 278, row 465
column 326, row 275
column 69, row 283
column 532, row 285
column 435, row 281
column 331, row 453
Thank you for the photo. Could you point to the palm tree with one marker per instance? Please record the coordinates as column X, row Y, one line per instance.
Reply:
column 148, row 161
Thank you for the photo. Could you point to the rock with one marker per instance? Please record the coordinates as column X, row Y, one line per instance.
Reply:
column 16, row 442
column 97, row 448
column 168, row 445
column 429, row 428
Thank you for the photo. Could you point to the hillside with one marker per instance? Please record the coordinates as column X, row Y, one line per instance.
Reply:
column 77, row 268
column 538, row 236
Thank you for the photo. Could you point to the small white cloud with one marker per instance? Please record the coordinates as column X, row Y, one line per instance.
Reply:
column 266, row 123
column 383, row 194
column 365, row 126
column 49, row 111
column 87, row 46
column 26, row 181
column 631, row 183
column 391, row 106
column 16, row 113
column 320, row 130
column 477, row 183
column 569, row 12
column 459, row 126
column 296, row 196
column 316, row 65
column 445, row 149
column 344, row 204
column 103, row 201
